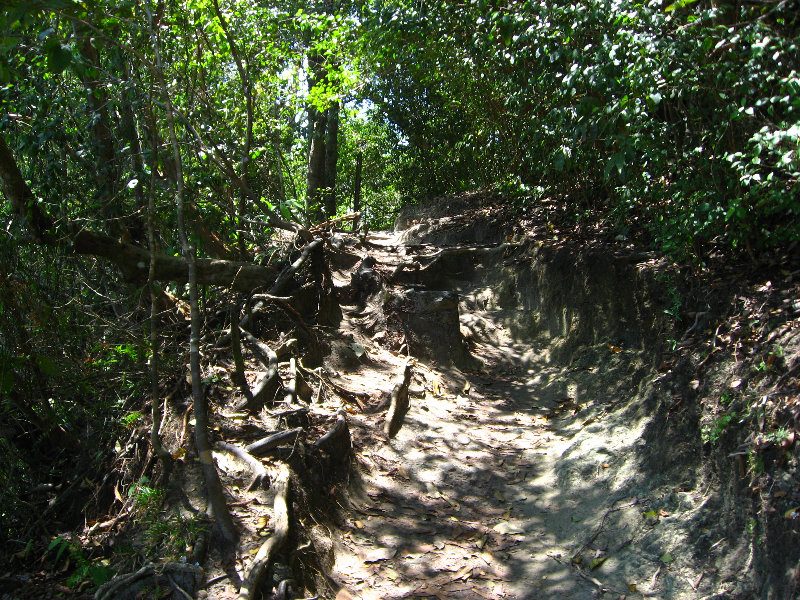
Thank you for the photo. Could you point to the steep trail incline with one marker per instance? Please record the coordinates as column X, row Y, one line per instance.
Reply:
column 532, row 462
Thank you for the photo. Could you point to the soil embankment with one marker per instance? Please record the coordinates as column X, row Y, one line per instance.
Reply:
column 553, row 446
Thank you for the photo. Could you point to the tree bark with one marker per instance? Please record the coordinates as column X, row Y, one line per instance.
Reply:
column 155, row 395
column 316, row 164
column 357, row 190
column 331, row 159
column 216, row 497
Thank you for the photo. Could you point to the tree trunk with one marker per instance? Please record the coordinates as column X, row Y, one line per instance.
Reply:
column 357, row 190
column 216, row 497
column 331, row 158
column 317, row 125
column 316, row 164
column 132, row 260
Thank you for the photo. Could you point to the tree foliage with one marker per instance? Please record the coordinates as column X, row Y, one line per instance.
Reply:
column 683, row 116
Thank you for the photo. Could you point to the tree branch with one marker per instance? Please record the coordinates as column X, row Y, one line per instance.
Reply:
column 133, row 261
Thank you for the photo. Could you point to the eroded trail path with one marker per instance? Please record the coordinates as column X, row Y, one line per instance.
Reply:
column 518, row 476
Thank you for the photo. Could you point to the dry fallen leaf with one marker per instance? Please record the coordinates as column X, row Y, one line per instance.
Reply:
column 117, row 495
column 463, row 573
column 597, row 562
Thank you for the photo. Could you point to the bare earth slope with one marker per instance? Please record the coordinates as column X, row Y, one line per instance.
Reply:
column 552, row 448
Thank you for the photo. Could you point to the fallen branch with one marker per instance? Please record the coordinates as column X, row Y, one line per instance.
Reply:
column 263, row 446
column 266, row 554
column 329, row 223
column 260, row 477
column 290, row 270
column 399, row 404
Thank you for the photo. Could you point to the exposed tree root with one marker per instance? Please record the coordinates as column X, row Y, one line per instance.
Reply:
column 185, row 577
column 336, row 441
column 267, row 389
column 269, row 549
column 263, row 446
column 297, row 388
column 260, row 477
column 285, row 275
column 237, row 376
column 399, row 404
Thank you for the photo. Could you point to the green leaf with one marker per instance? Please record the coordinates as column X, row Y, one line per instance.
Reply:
column 46, row 365
column 666, row 558
column 59, row 57
column 679, row 4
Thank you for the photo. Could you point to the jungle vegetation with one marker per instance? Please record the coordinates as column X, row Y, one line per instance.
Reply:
column 152, row 150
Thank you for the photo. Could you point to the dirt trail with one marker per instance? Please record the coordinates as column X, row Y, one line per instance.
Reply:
column 522, row 478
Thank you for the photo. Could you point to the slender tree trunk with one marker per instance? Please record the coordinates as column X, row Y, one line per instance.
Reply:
column 155, row 394
column 331, row 158
column 357, row 189
column 219, row 508
column 316, row 165
column 317, row 124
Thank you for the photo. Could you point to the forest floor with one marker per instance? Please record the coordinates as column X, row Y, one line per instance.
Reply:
column 517, row 479
column 562, row 462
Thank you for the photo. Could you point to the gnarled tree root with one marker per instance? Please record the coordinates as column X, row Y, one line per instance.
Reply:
column 270, row 548
column 183, row 578
column 260, row 477
column 263, row 446
column 399, row 404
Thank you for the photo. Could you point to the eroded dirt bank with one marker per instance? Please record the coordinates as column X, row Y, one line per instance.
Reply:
column 553, row 447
